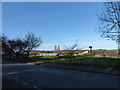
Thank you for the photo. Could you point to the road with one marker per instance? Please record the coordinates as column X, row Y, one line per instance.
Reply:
column 18, row 75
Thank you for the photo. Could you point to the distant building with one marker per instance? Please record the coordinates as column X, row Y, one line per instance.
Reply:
column 56, row 48
column 47, row 54
column 106, row 54
column 85, row 52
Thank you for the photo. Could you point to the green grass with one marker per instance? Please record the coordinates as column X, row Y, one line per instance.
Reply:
column 99, row 61
column 51, row 57
column 87, row 60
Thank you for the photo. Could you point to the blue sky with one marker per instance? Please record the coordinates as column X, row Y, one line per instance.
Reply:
column 60, row 23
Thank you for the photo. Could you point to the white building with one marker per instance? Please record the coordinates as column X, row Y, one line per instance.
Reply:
column 47, row 54
column 85, row 52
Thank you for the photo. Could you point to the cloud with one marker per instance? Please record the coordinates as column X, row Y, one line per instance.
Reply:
column 106, row 44
column 98, row 44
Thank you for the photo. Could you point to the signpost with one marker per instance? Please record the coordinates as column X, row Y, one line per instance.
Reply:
column 91, row 55
column 90, row 50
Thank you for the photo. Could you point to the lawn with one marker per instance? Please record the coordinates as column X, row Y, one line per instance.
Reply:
column 81, row 60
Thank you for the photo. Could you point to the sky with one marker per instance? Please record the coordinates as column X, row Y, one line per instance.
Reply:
column 57, row 23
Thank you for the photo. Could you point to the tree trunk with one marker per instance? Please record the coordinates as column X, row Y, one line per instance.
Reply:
column 9, row 56
column 27, row 55
column 118, row 49
column 119, row 40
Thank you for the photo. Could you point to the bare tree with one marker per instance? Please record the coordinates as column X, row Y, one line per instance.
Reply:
column 110, row 22
column 32, row 42
column 71, row 50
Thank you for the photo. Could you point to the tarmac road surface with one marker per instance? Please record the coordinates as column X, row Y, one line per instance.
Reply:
column 19, row 75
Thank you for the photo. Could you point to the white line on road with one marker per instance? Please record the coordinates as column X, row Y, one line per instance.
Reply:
column 25, row 83
column 28, row 84
column 36, row 88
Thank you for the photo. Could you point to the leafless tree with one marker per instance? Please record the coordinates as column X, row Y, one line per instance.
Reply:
column 70, row 50
column 32, row 42
column 109, row 25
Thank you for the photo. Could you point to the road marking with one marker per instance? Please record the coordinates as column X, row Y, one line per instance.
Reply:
column 25, row 83
column 36, row 88
column 12, row 72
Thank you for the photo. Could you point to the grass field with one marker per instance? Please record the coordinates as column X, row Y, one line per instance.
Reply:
column 81, row 60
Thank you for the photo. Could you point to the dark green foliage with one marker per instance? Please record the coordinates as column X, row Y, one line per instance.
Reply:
column 19, row 48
